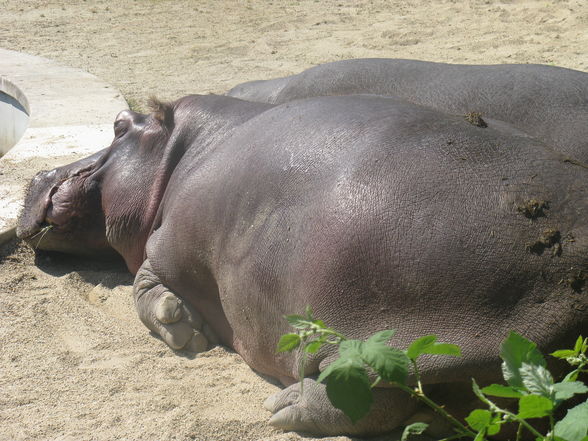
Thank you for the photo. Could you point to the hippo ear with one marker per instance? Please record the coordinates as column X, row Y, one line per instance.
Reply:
column 162, row 112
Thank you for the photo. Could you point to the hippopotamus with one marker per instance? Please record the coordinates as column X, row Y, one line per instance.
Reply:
column 376, row 212
column 547, row 102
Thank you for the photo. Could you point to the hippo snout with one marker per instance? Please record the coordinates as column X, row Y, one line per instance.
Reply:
column 62, row 211
column 32, row 217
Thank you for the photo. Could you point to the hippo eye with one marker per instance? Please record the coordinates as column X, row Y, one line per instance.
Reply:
column 120, row 128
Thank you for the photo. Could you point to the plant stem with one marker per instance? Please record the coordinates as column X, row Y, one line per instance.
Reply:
column 301, row 368
column 462, row 430
column 519, row 432
column 452, row 437
column 418, row 377
column 511, row 416
column 329, row 331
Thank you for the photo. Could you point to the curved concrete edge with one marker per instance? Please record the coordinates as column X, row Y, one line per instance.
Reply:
column 71, row 115
column 9, row 88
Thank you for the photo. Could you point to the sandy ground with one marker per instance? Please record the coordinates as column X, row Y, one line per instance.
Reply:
column 75, row 362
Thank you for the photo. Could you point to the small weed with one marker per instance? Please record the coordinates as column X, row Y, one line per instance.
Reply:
column 524, row 370
column 133, row 104
column 475, row 118
column 43, row 231
column 533, row 208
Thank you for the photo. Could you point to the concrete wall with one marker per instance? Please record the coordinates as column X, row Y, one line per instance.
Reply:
column 14, row 120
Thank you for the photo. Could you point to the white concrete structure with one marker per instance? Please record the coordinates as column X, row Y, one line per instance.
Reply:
column 70, row 116
column 14, row 115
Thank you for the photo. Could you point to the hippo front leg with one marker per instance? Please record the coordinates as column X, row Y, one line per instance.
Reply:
column 164, row 313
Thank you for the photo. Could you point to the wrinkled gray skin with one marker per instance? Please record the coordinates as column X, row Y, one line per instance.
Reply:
column 376, row 212
column 547, row 102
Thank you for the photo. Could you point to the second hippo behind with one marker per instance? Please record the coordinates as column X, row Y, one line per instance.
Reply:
column 548, row 103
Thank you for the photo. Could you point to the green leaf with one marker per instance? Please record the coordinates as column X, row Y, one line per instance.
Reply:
column 348, row 388
column 483, row 421
column 534, row 406
column 308, row 312
column 537, row 380
column 574, row 426
column 413, row 429
column 494, row 427
column 329, row 370
column 319, row 323
column 314, row 346
column 498, row 390
column 381, row 337
column 390, row 364
column 444, row 349
column 480, row 436
column 288, row 342
column 578, row 345
column 516, row 350
column 324, row 374
column 479, row 419
column 349, row 352
column 420, row 345
column 428, row 345
column 351, row 348
column 297, row 321
column 564, row 353
column 572, row 376
column 566, row 390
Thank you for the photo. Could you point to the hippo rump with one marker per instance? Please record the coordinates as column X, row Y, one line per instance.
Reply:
column 376, row 212
column 547, row 102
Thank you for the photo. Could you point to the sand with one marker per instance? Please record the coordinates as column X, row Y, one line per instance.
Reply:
column 75, row 362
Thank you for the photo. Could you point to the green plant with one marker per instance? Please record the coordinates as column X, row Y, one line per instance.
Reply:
column 133, row 104
column 348, row 383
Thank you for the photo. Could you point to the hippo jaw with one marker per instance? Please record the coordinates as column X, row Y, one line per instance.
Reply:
column 62, row 211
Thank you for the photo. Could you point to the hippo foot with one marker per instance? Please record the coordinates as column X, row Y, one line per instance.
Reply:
column 311, row 411
column 167, row 315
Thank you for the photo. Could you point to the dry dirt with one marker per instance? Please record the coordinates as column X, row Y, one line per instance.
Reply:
column 75, row 362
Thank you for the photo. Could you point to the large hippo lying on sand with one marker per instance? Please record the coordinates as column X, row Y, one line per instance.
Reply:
column 376, row 212
column 547, row 102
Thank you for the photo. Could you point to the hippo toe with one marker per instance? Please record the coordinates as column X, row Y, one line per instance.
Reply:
column 167, row 315
column 310, row 411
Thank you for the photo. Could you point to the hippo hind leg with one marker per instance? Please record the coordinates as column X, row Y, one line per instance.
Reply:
column 312, row 412
column 167, row 315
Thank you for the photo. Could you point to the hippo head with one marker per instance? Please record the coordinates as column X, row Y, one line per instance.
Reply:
column 103, row 203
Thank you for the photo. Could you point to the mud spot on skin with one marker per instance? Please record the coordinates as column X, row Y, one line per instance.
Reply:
column 475, row 118
column 576, row 280
column 550, row 238
column 533, row 208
